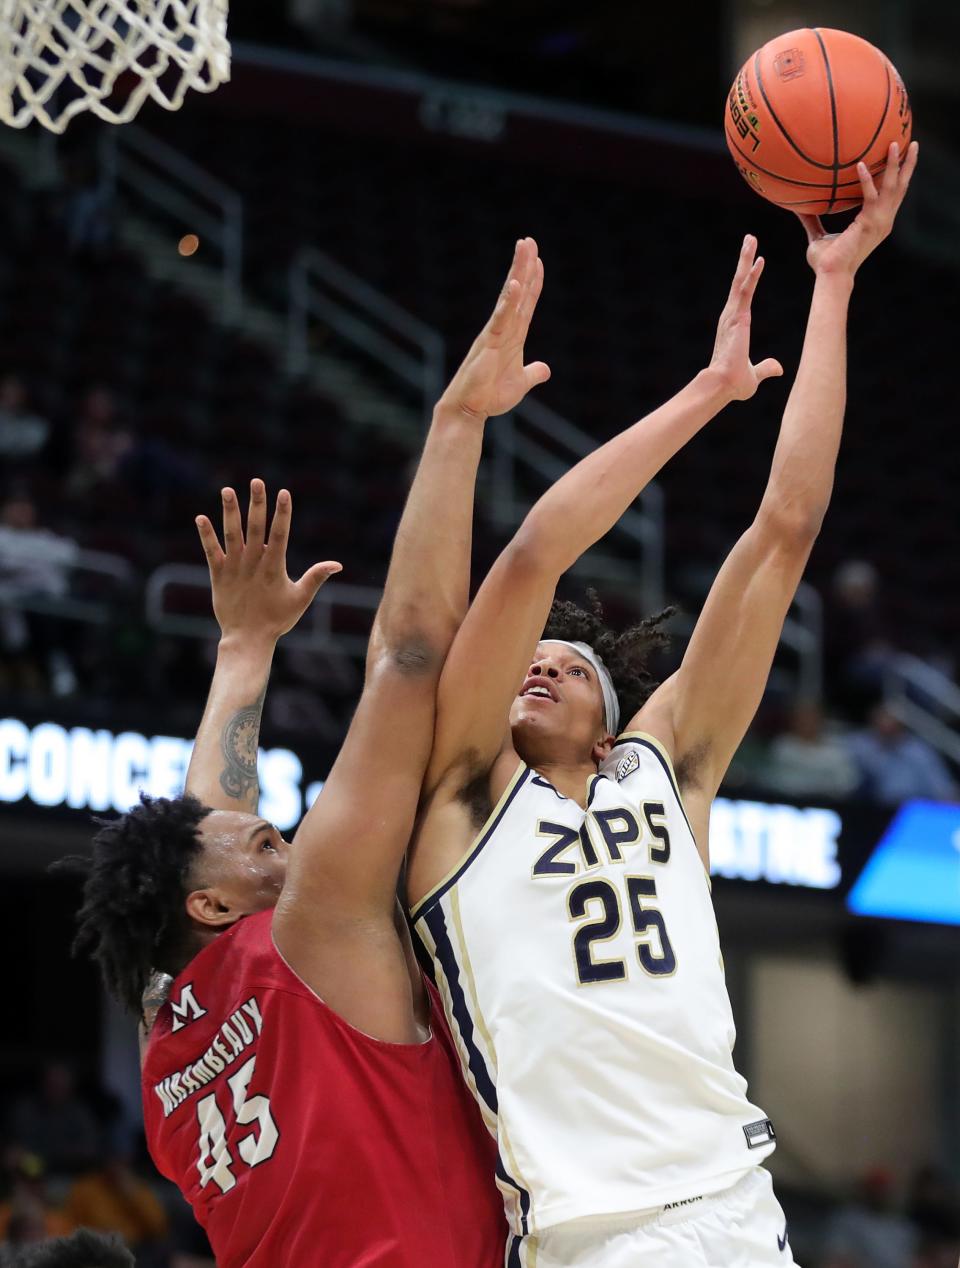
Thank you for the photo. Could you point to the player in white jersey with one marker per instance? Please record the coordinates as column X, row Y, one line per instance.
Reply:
column 559, row 875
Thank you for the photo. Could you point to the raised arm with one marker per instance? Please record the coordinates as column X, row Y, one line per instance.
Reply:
column 702, row 713
column 500, row 632
column 255, row 603
column 335, row 922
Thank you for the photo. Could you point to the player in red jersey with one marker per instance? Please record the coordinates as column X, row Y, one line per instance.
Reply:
column 300, row 1086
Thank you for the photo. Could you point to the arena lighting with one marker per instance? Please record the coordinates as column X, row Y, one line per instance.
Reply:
column 51, row 765
column 914, row 871
column 782, row 845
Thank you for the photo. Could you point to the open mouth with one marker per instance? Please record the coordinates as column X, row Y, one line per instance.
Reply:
column 538, row 691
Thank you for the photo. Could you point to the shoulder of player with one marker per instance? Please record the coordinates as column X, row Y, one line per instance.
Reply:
column 655, row 720
column 452, row 815
column 243, row 953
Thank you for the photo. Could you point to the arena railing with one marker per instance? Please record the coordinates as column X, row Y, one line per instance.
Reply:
column 139, row 165
column 535, row 437
column 321, row 289
column 535, row 441
column 926, row 701
column 112, row 575
column 316, row 632
column 547, row 445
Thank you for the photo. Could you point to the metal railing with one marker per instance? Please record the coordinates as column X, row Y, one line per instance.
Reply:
column 135, row 162
column 545, row 445
column 385, row 334
column 803, row 633
column 535, row 439
column 316, row 632
column 926, row 701
column 73, row 605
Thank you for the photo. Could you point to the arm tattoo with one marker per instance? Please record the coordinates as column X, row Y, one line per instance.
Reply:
column 153, row 999
column 238, row 742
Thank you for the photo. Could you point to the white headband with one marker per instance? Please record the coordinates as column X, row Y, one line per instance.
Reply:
column 611, row 705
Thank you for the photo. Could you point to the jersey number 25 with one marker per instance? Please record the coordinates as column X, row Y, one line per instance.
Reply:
column 645, row 921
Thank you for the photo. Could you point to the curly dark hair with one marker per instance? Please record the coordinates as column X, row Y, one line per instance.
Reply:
column 84, row 1249
column 132, row 921
column 625, row 654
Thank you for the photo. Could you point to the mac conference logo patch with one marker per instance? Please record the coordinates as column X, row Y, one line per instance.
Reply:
column 627, row 765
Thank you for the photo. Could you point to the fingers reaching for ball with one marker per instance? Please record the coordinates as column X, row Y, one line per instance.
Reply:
column 845, row 252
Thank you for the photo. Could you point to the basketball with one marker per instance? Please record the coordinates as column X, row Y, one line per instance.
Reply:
column 805, row 109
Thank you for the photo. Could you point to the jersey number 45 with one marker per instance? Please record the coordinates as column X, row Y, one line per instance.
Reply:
column 216, row 1162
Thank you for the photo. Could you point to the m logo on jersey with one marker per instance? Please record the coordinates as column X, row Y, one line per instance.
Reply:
column 186, row 1009
column 627, row 765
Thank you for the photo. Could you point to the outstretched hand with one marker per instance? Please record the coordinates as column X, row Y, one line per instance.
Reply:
column 731, row 351
column 493, row 378
column 252, row 595
column 845, row 252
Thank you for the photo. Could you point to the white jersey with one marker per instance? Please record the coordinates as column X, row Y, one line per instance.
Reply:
column 579, row 962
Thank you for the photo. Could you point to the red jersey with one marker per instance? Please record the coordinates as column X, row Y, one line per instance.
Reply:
column 301, row 1142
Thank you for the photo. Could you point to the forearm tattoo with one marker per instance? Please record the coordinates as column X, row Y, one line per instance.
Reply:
column 153, row 999
column 239, row 741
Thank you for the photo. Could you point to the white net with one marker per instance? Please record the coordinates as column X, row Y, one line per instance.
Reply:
column 60, row 57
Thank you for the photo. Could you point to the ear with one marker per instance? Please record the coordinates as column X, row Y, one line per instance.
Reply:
column 209, row 908
column 602, row 748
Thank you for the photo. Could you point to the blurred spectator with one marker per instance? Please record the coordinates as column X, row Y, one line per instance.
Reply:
column 107, row 451
column 870, row 1232
column 34, row 564
column 22, row 434
column 26, row 1213
column 114, row 1199
column 808, row 761
column 894, row 764
column 857, row 646
column 86, row 206
column 56, row 1123
column 100, row 443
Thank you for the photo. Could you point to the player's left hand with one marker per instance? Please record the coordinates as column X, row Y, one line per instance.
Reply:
column 844, row 252
column 253, row 597
column 731, row 351
column 493, row 378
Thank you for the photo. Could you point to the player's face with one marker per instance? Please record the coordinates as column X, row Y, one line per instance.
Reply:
column 244, row 862
column 558, row 713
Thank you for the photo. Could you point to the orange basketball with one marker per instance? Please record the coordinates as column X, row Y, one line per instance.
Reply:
column 805, row 109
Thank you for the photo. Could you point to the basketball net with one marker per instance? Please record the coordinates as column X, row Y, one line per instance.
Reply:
column 61, row 57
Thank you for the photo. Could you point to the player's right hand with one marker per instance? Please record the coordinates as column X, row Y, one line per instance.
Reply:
column 731, row 362
column 253, row 598
column 843, row 253
column 493, row 379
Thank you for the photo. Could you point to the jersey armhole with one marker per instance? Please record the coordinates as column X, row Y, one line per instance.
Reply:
column 434, row 895
column 342, row 1021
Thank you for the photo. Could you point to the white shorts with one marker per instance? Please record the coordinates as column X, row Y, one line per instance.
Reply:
column 740, row 1227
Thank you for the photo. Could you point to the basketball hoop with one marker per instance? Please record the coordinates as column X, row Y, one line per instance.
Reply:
column 61, row 57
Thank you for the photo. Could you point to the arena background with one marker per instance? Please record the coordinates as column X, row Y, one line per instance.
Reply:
column 356, row 191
